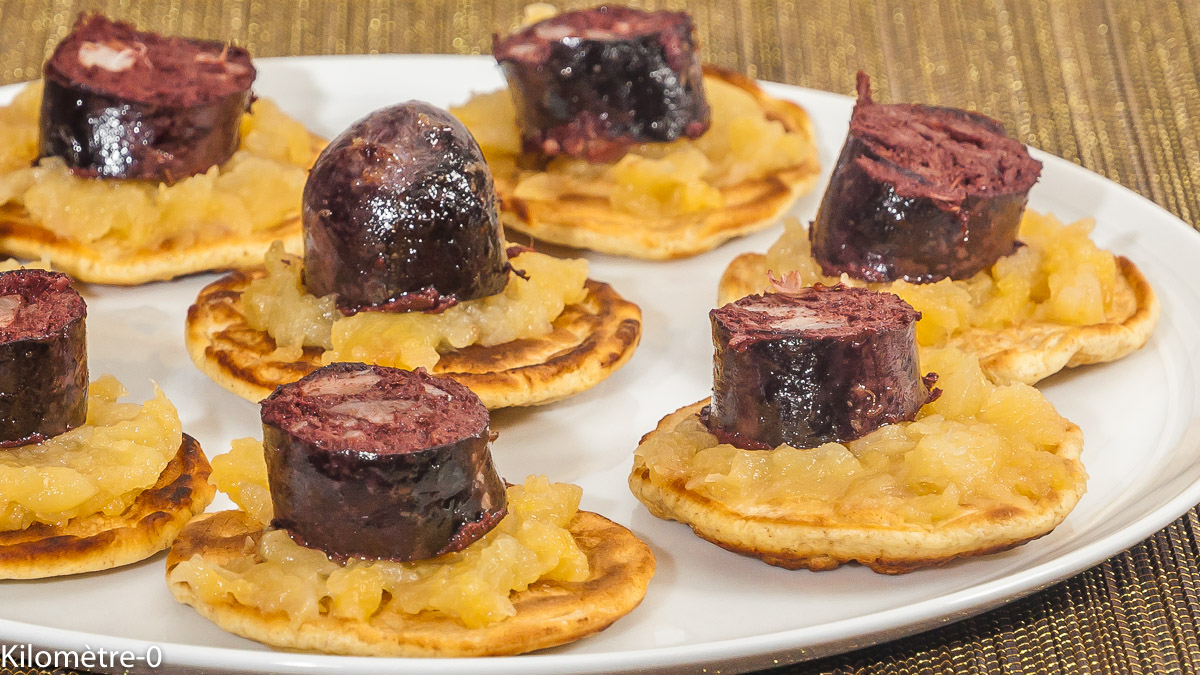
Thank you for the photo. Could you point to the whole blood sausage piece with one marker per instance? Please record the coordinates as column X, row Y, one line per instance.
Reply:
column 380, row 463
column 592, row 83
column 400, row 215
column 43, row 357
column 121, row 103
column 820, row 365
column 921, row 193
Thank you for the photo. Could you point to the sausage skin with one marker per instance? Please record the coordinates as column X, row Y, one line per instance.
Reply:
column 122, row 103
column 400, row 215
column 43, row 357
column 595, row 82
column 380, row 463
column 818, row 365
column 921, row 193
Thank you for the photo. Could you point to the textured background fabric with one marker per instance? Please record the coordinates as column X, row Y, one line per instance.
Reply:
column 1109, row 84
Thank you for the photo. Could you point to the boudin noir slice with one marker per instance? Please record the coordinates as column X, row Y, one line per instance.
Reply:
column 592, row 83
column 818, row 365
column 43, row 357
column 381, row 463
column 921, row 193
column 122, row 103
column 400, row 215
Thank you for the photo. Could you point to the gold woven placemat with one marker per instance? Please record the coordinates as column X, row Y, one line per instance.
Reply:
column 1110, row 84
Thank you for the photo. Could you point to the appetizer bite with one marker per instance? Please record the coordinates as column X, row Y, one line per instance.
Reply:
column 377, row 526
column 823, row 443
column 86, row 483
column 929, row 203
column 404, row 266
column 141, row 157
column 613, row 137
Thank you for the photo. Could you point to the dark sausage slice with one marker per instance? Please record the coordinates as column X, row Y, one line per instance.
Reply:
column 121, row 103
column 921, row 193
column 823, row 364
column 380, row 463
column 43, row 357
column 594, row 82
column 400, row 215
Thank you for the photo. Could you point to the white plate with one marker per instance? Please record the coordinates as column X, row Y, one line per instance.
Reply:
column 705, row 606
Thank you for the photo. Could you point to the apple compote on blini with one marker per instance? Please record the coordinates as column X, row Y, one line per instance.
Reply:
column 98, row 467
column 472, row 585
column 87, row 482
column 977, row 448
column 821, row 444
column 374, row 523
column 67, row 450
column 280, row 305
column 377, row 492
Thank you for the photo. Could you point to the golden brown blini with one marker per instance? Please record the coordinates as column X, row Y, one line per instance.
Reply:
column 24, row 238
column 793, row 536
column 100, row 542
column 589, row 341
column 548, row 613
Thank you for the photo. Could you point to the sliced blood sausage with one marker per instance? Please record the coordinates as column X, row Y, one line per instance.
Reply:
column 121, row 103
column 43, row 357
column 380, row 463
column 822, row 364
column 921, row 193
column 592, row 83
column 400, row 215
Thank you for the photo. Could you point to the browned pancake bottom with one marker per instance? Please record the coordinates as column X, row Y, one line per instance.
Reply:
column 23, row 237
column 794, row 539
column 589, row 341
column 549, row 613
column 100, row 542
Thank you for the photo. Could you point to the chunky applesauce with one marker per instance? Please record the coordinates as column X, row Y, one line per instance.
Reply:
column 280, row 305
column 1058, row 276
column 257, row 189
column 977, row 446
column 99, row 467
column 473, row 585
column 653, row 179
